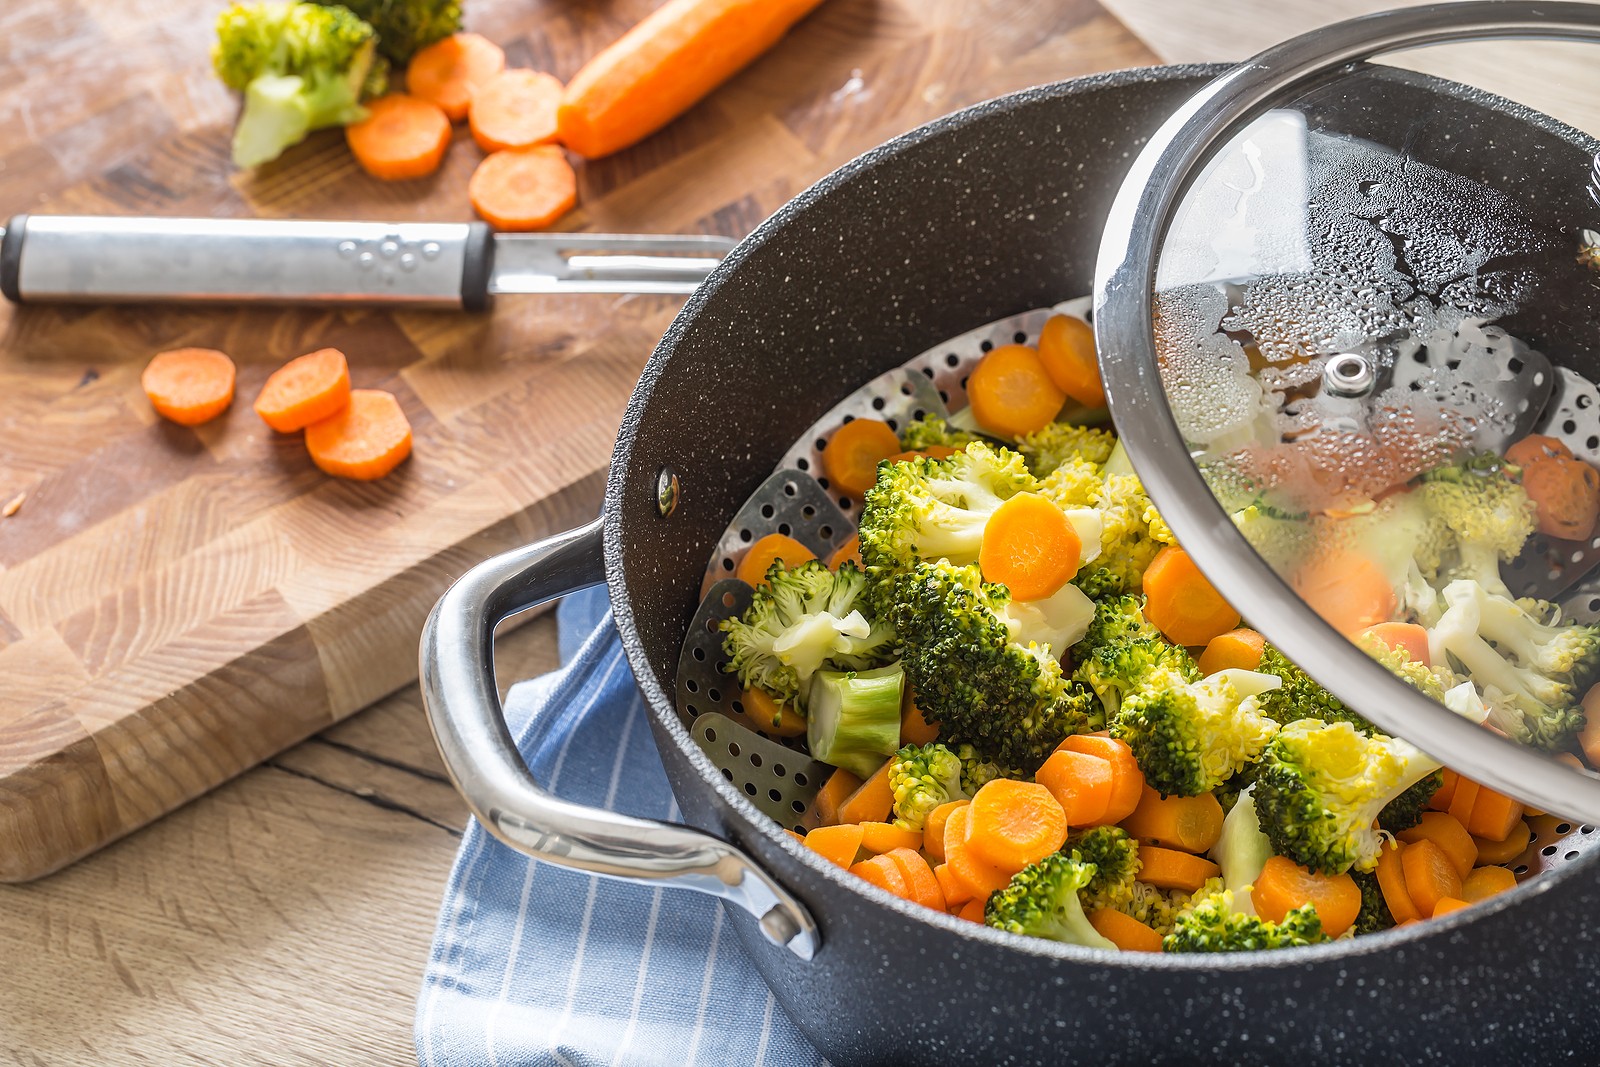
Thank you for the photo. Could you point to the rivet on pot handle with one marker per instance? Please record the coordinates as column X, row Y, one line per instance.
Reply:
column 458, row 689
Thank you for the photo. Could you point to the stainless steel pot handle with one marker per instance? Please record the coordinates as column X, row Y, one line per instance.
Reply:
column 458, row 689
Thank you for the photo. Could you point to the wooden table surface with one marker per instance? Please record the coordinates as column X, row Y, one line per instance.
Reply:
column 285, row 917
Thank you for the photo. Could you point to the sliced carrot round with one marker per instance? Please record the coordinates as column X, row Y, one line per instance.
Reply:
column 189, row 385
column 1347, row 589
column 1124, row 931
column 304, row 390
column 837, row 844
column 921, row 885
column 1011, row 393
column 1452, row 838
column 884, row 873
column 767, row 716
column 1181, row 603
column 1447, row 905
column 1566, row 497
column 449, row 71
column 1486, row 882
column 364, row 440
column 882, row 837
column 1430, row 875
column 1496, row 852
column 760, row 556
column 1030, row 547
column 1239, row 649
column 514, row 109
column 1011, row 824
column 1284, row 885
column 1127, row 780
column 1066, row 348
column 854, row 451
column 402, row 137
column 524, row 189
column 1192, row 824
column 1405, row 637
column 1167, row 868
column 1392, row 884
column 1082, row 784
column 1535, row 447
column 849, row 552
column 972, row 910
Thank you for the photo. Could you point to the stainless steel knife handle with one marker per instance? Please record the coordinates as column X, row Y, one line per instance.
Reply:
column 89, row 259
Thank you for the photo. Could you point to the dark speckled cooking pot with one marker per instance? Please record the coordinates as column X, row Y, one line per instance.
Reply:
column 980, row 215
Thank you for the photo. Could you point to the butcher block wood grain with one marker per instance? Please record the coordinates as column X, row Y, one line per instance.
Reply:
column 178, row 604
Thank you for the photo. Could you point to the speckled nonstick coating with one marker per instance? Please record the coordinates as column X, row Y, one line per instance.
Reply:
column 983, row 214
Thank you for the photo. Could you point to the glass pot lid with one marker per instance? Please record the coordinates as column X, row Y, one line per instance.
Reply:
column 1370, row 298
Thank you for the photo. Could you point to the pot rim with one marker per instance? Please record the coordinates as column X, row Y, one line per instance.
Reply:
column 751, row 819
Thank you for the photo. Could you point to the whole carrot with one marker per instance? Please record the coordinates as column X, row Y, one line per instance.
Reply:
column 664, row 65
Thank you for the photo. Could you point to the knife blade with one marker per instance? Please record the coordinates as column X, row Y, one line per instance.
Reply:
column 89, row 259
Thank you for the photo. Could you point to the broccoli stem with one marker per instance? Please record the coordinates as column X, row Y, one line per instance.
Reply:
column 853, row 717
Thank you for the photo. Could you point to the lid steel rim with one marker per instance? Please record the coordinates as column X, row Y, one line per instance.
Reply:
column 1124, row 310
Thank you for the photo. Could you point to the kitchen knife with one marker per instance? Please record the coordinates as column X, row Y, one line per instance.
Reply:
column 87, row 259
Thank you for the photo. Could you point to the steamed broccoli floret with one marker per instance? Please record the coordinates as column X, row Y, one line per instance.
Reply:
column 404, row 26
column 301, row 66
column 977, row 772
column 1321, row 786
column 1054, row 444
column 1429, row 681
column 1242, row 851
column 1121, row 648
column 1190, row 737
column 1115, row 857
column 1374, row 914
column 922, row 777
column 799, row 621
column 853, row 718
column 1488, row 513
column 932, row 430
column 1216, row 926
column 1098, row 583
column 928, row 509
column 1405, row 540
column 1531, row 673
column 1283, row 538
column 1073, row 483
column 1405, row 810
column 1043, row 900
column 1131, row 531
column 986, row 677
column 1300, row 697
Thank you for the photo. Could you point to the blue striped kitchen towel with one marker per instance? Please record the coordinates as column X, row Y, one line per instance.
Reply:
column 535, row 964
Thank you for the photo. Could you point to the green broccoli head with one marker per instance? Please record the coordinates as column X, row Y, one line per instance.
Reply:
column 1121, row 647
column 1514, row 659
column 1405, row 810
column 803, row 619
column 1043, row 900
column 932, row 430
column 922, row 777
column 1131, row 530
column 301, row 66
column 1481, row 503
column 1214, row 925
column 930, row 509
column 1321, row 786
column 1283, row 538
column 1115, row 858
column 1190, row 737
column 1098, row 583
column 1073, row 483
column 977, row 772
column 972, row 673
column 404, row 26
column 1429, row 681
column 1057, row 443
column 1374, row 915
column 1300, row 697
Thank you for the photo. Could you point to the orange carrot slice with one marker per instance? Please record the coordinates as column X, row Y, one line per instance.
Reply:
column 884, row 873
column 1494, row 815
column 760, row 556
column 1030, row 547
column 1011, row 824
column 921, row 885
column 914, row 729
column 1440, row 801
column 972, row 910
column 849, row 552
column 1284, row 885
column 839, row 787
column 1448, row 904
column 514, row 109
column 883, row 837
column 1536, row 447
column 1496, row 852
column 402, row 137
column 872, row 802
column 1081, row 783
column 1589, row 736
column 837, row 844
column 1430, row 875
column 955, row 894
column 1167, row 868
column 189, row 386
column 1181, row 603
column 306, row 389
column 979, row 877
column 1011, row 393
column 1463, row 800
column 767, row 716
column 450, row 71
column 1486, row 882
column 933, row 829
column 1124, row 931
column 1566, row 497
column 1443, row 830
column 365, row 439
column 524, row 188
column 1347, row 589
column 1127, row 781
column 1392, row 883
column 854, row 451
column 1407, row 637
column 1236, row 649
column 1192, row 824
column 1066, row 348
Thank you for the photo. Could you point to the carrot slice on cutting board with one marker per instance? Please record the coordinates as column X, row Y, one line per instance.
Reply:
column 306, row 389
column 401, row 138
column 515, row 109
column 524, row 189
column 448, row 72
column 189, row 385
column 364, row 440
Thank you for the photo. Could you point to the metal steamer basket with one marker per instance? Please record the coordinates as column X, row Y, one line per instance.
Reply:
column 961, row 234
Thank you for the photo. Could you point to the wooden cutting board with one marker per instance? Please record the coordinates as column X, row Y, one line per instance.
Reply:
column 177, row 604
